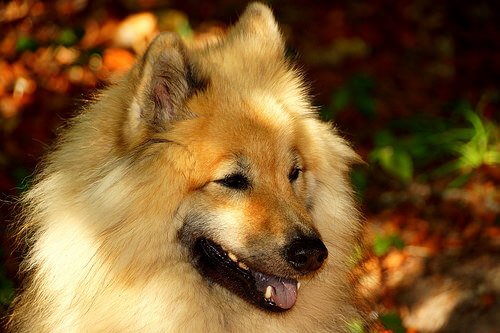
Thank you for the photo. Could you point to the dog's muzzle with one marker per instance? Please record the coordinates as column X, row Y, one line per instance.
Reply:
column 303, row 254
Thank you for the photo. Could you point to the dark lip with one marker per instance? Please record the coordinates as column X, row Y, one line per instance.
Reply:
column 214, row 264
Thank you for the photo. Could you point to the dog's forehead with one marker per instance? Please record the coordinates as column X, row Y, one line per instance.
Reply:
column 257, row 118
column 266, row 111
column 253, row 129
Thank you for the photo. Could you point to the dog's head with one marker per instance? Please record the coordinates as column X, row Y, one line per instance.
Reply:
column 233, row 127
column 248, row 219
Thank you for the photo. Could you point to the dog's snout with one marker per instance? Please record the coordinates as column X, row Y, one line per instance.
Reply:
column 306, row 254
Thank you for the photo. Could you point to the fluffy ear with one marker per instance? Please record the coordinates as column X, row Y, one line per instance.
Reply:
column 164, row 78
column 258, row 23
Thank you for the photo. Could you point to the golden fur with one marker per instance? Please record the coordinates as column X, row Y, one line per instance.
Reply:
column 104, row 216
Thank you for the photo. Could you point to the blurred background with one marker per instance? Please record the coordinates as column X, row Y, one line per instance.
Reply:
column 414, row 85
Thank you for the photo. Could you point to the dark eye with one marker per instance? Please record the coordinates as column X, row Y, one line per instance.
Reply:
column 236, row 181
column 294, row 174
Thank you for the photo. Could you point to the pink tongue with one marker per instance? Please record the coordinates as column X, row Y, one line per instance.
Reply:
column 284, row 294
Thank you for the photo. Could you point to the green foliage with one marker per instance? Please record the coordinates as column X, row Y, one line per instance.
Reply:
column 410, row 146
column 356, row 92
column 355, row 326
column 382, row 244
column 6, row 287
column 185, row 29
column 392, row 322
column 340, row 99
column 395, row 161
column 359, row 180
column 481, row 147
column 173, row 20
column 22, row 178
column 26, row 43
column 361, row 91
column 67, row 37
column 456, row 150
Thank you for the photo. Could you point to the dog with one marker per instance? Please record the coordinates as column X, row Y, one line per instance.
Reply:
column 200, row 193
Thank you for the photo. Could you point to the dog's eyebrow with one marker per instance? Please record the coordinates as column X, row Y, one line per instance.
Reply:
column 242, row 163
column 158, row 140
column 149, row 142
column 296, row 160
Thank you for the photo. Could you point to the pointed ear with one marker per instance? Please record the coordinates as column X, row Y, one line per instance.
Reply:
column 258, row 23
column 164, row 79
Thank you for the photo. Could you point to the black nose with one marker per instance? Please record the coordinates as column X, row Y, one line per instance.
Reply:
column 306, row 254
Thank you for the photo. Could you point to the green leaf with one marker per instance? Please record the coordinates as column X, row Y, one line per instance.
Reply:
column 23, row 179
column 396, row 162
column 492, row 157
column 397, row 242
column 393, row 322
column 361, row 89
column 384, row 138
column 447, row 168
column 67, row 37
column 359, row 181
column 460, row 181
column 381, row 245
column 6, row 288
column 366, row 105
column 355, row 326
column 6, row 291
column 340, row 99
column 185, row 30
column 25, row 43
column 358, row 92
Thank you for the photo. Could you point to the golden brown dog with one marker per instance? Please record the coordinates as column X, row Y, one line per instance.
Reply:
column 199, row 194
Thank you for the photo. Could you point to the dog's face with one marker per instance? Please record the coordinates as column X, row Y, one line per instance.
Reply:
column 248, row 219
column 252, row 152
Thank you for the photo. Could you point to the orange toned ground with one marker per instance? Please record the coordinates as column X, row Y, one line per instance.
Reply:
column 394, row 77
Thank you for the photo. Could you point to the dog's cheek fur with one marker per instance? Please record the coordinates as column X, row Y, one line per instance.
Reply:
column 333, row 203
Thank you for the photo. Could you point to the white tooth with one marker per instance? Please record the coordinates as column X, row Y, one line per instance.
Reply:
column 268, row 293
column 298, row 285
column 243, row 265
column 232, row 256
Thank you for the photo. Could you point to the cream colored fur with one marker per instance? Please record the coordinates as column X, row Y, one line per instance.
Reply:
column 102, row 219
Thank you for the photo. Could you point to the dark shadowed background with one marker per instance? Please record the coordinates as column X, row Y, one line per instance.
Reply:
column 415, row 85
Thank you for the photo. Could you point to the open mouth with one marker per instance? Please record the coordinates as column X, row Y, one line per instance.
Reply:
column 269, row 292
